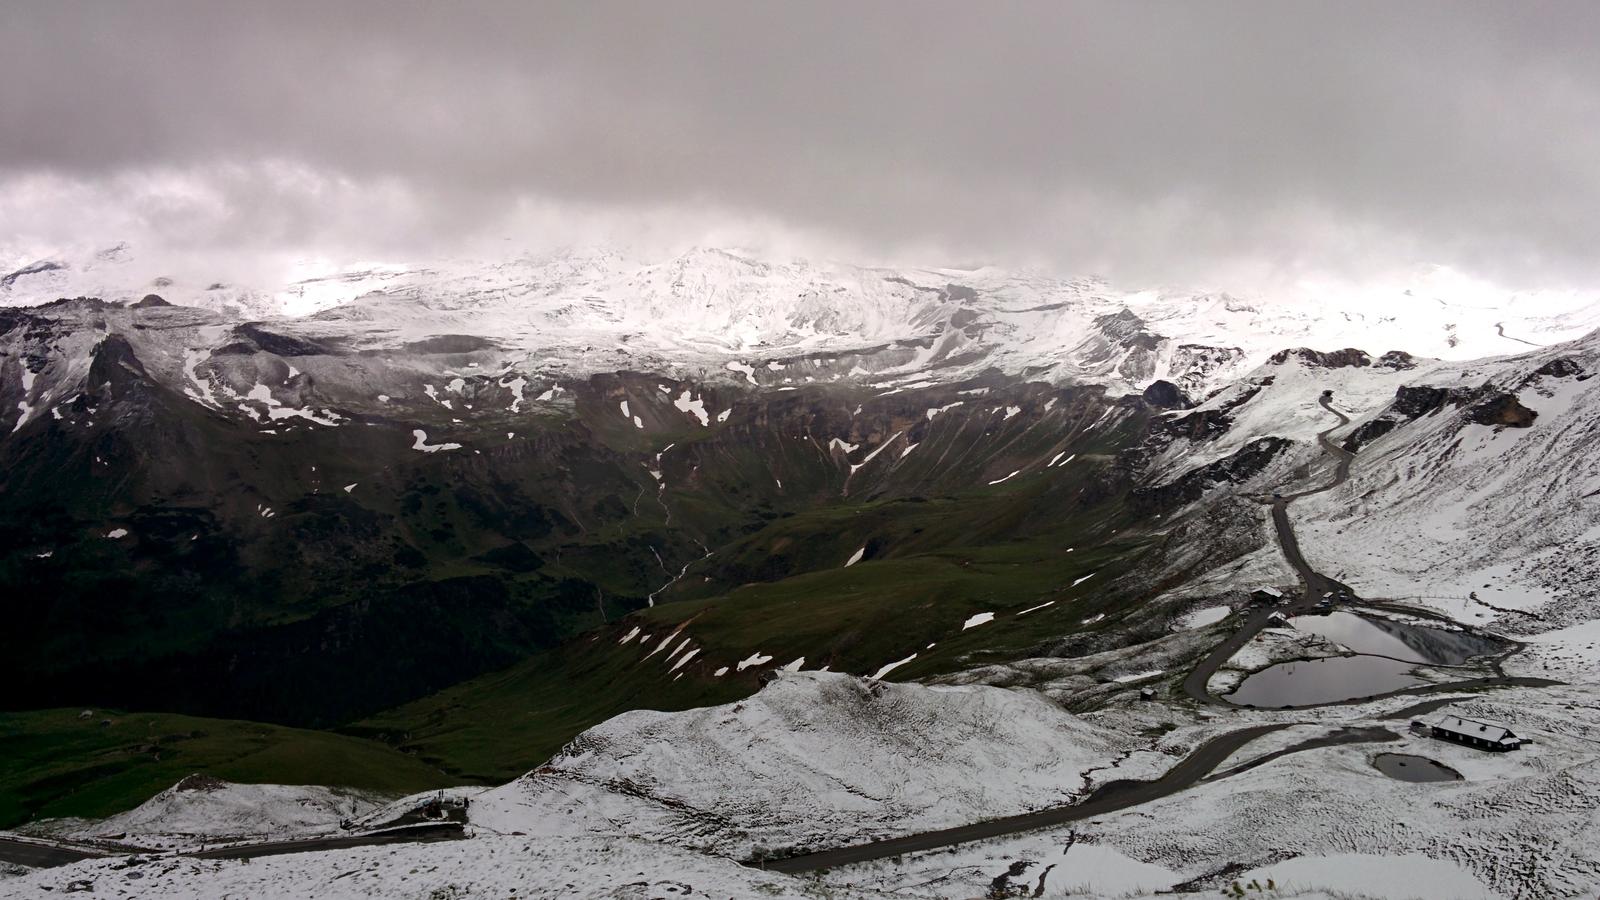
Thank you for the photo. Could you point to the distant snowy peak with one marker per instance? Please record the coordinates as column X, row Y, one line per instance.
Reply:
column 603, row 309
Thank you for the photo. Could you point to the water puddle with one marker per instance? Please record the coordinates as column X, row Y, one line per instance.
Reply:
column 1309, row 682
column 1406, row 767
column 1412, row 643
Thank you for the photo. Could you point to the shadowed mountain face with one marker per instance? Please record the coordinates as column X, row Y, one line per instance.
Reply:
column 233, row 530
column 313, row 521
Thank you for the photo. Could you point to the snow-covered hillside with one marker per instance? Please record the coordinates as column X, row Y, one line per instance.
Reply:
column 203, row 810
column 622, row 812
column 815, row 760
column 1485, row 483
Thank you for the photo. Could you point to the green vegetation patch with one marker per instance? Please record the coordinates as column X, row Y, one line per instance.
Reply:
column 56, row 762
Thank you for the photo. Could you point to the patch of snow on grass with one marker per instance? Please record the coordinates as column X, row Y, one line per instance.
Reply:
column 890, row 667
column 1200, row 618
column 423, row 445
column 749, row 371
column 754, row 659
column 693, row 405
column 433, row 394
column 201, row 391
column 1007, row 478
column 875, row 451
column 855, row 557
column 980, row 619
column 516, row 385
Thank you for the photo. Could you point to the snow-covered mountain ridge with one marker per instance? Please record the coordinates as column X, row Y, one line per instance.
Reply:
column 707, row 309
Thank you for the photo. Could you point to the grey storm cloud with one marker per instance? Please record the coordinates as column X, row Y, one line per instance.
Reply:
column 1154, row 139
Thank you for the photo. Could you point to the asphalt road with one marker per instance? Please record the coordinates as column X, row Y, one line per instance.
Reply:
column 1500, row 329
column 1110, row 798
column 1363, row 735
column 40, row 856
column 46, row 856
column 1315, row 584
column 415, row 834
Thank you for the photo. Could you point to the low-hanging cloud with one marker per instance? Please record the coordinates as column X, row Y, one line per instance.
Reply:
column 1145, row 141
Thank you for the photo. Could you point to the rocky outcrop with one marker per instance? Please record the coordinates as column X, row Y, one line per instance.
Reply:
column 1414, row 402
column 1193, row 366
column 1166, row 395
column 1396, row 360
column 1335, row 359
column 116, row 368
column 1128, row 330
column 1206, row 423
column 1501, row 410
column 1241, row 466
column 1562, row 367
column 254, row 337
column 1367, row 432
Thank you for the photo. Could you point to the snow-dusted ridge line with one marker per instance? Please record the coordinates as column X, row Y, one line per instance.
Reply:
column 758, row 321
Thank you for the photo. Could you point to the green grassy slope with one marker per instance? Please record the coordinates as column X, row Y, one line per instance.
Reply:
column 53, row 763
column 936, row 563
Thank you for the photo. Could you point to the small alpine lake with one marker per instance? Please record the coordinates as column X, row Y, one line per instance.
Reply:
column 1405, row 767
column 1334, row 679
column 1398, row 640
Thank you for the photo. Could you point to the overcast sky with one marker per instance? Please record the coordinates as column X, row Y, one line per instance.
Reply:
column 1144, row 141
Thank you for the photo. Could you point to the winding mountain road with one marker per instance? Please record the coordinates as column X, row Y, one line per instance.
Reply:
column 1500, row 329
column 415, row 834
column 1109, row 798
column 1114, row 796
column 1315, row 583
column 41, row 855
column 1315, row 586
